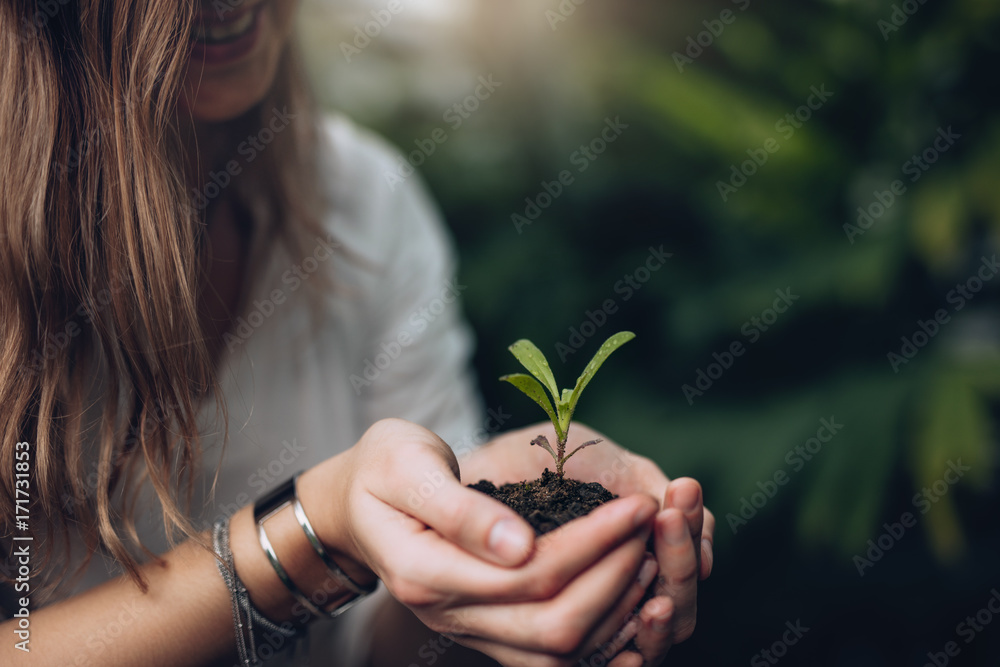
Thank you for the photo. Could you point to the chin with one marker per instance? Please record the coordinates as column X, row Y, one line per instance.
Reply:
column 220, row 99
column 234, row 59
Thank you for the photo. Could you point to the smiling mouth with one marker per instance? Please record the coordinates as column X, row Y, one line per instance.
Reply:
column 210, row 31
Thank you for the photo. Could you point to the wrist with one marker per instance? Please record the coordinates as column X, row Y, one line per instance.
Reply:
column 324, row 492
column 319, row 497
column 266, row 591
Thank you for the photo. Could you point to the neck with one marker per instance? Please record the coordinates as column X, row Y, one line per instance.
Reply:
column 208, row 145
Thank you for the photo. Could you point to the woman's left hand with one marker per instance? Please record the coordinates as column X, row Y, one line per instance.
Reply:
column 684, row 527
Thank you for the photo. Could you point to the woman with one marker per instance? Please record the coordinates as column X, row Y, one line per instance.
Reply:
column 206, row 289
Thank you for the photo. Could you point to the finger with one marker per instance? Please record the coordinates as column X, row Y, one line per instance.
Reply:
column 708, row 545
column 613, row 648
column 656, row 628
column 675, row 552
column 581, row 542
column 509, row 655
column 619, row 627
column 685, row 494
column 627, row 659
column 420, row 561
column 564, row 624
column 425, row 486
column 505, row 654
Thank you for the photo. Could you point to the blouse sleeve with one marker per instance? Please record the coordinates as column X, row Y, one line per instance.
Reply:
column 415, row 359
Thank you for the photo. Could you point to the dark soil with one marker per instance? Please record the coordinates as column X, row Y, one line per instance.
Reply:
column 549, row 501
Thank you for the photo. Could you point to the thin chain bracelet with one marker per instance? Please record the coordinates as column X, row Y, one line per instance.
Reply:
column 220, row 543
column 245, row 614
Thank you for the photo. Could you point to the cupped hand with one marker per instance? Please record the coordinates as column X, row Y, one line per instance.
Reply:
column 468, row 566
column 684, row 528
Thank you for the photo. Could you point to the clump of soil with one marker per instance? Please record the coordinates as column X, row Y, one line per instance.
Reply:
column 549, row 501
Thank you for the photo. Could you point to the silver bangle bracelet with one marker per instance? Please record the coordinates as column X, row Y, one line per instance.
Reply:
column 266, row 507
column 265, row 544
column 331, row 567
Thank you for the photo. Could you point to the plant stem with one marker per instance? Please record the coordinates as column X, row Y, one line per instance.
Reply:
column 560, row 455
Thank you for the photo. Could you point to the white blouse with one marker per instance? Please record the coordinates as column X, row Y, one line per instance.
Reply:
column 305, row 372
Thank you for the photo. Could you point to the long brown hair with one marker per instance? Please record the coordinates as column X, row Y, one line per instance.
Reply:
column 99, row 266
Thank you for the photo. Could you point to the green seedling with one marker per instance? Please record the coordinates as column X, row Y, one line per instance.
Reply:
column 564, row 402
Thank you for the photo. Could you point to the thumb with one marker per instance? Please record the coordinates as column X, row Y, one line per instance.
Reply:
column 479, row 524
column 430, row 491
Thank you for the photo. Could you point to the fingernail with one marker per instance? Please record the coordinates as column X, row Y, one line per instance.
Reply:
column 508, row 540
column 676, row 532
column 647, row 572
column 686, row 500
column 706, row 546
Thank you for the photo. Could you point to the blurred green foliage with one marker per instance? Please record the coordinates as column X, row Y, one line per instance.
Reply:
column 658, row 184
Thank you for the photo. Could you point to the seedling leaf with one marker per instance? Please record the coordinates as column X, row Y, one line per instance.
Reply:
column 610, row 345
column 535, row 362
column 586, row 444
column 533, row 389
column 543, row 442
column 560, row 409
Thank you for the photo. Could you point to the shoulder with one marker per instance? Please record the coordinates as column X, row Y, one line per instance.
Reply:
column 354, row 155
column 373, row 209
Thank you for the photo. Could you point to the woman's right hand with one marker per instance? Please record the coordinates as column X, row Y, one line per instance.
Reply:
column 467, row 565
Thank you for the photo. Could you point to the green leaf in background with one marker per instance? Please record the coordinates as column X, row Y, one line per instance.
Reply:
column 845, row 486
column 952, row 424
column 939, row 222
